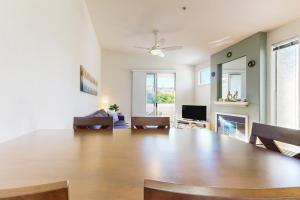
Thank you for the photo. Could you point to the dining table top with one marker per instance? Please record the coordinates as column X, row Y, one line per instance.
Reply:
column 114, row 164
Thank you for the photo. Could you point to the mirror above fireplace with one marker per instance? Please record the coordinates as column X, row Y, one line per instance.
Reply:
column 233, row 80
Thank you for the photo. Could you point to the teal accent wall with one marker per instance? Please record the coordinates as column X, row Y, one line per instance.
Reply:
column 254, row 48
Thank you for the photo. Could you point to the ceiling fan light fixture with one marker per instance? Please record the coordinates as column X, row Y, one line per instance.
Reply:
column 156, row 52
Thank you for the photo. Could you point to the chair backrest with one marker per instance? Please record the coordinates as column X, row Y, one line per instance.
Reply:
column 52, row 191
column 82, row 122
column 154, row 190
column 268, row 134
column 144, row 122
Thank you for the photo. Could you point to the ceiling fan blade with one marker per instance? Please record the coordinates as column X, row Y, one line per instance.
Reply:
column 145, row 48
column 172, row 48
column 162, row 55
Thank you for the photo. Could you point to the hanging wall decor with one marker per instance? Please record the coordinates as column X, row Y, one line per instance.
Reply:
column 88, row 83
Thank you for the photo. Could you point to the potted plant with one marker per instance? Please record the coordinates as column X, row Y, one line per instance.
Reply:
column 114, row 108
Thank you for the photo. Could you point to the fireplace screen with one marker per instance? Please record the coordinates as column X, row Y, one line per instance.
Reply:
column 232, row 125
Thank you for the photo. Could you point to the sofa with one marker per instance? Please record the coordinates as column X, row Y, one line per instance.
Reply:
column 100, row 119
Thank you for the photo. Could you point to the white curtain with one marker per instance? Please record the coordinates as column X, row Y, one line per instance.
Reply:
column 138, row 107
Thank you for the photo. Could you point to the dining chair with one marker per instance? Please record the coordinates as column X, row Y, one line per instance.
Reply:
column 268, row 134
column 86, row 122
column 154, row 190
column 146, row 122
column 51, row 191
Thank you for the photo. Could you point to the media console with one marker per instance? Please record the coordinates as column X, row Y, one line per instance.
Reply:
column 188, row 123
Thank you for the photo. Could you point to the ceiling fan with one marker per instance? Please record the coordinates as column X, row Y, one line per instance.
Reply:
column 157, row 49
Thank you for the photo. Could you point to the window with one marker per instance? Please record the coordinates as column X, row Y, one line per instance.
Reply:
column 286, row 91
column 204, row 76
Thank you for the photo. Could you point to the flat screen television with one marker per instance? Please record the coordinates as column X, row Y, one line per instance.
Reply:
column 194, row 112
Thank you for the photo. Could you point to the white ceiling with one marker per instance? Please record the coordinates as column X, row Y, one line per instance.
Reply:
column 122, row 24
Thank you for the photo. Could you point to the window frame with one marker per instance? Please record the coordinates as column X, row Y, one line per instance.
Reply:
column 199, row 80
column 274, row 48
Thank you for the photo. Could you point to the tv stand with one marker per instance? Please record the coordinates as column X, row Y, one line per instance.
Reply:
column 189, row 123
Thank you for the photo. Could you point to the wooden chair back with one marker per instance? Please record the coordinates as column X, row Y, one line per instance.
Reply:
column 52, row 191
column 154, row 190
column 83, row 122
column 144, row 122
column 268, row 134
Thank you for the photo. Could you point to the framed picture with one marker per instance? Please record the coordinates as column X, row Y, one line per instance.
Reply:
column 88, row 83
column 233, row 125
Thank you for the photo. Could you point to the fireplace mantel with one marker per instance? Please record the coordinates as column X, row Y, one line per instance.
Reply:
column 226, row 103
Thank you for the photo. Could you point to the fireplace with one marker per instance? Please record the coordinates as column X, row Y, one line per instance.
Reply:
column 233, row 125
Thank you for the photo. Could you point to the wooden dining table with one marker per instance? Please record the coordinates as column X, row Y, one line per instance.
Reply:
column 113, row 165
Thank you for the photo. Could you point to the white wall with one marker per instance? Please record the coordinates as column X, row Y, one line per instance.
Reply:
column 286, row 32
column 117, row 76
column 202, row 92
column 43, row 43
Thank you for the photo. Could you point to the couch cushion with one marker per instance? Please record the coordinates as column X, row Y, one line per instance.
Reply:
column 99, row 113
column 114, row 115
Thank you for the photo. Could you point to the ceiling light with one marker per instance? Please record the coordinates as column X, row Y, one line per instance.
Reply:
column 156, row 52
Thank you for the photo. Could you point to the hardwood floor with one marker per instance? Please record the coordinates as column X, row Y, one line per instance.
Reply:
column 113, row 165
